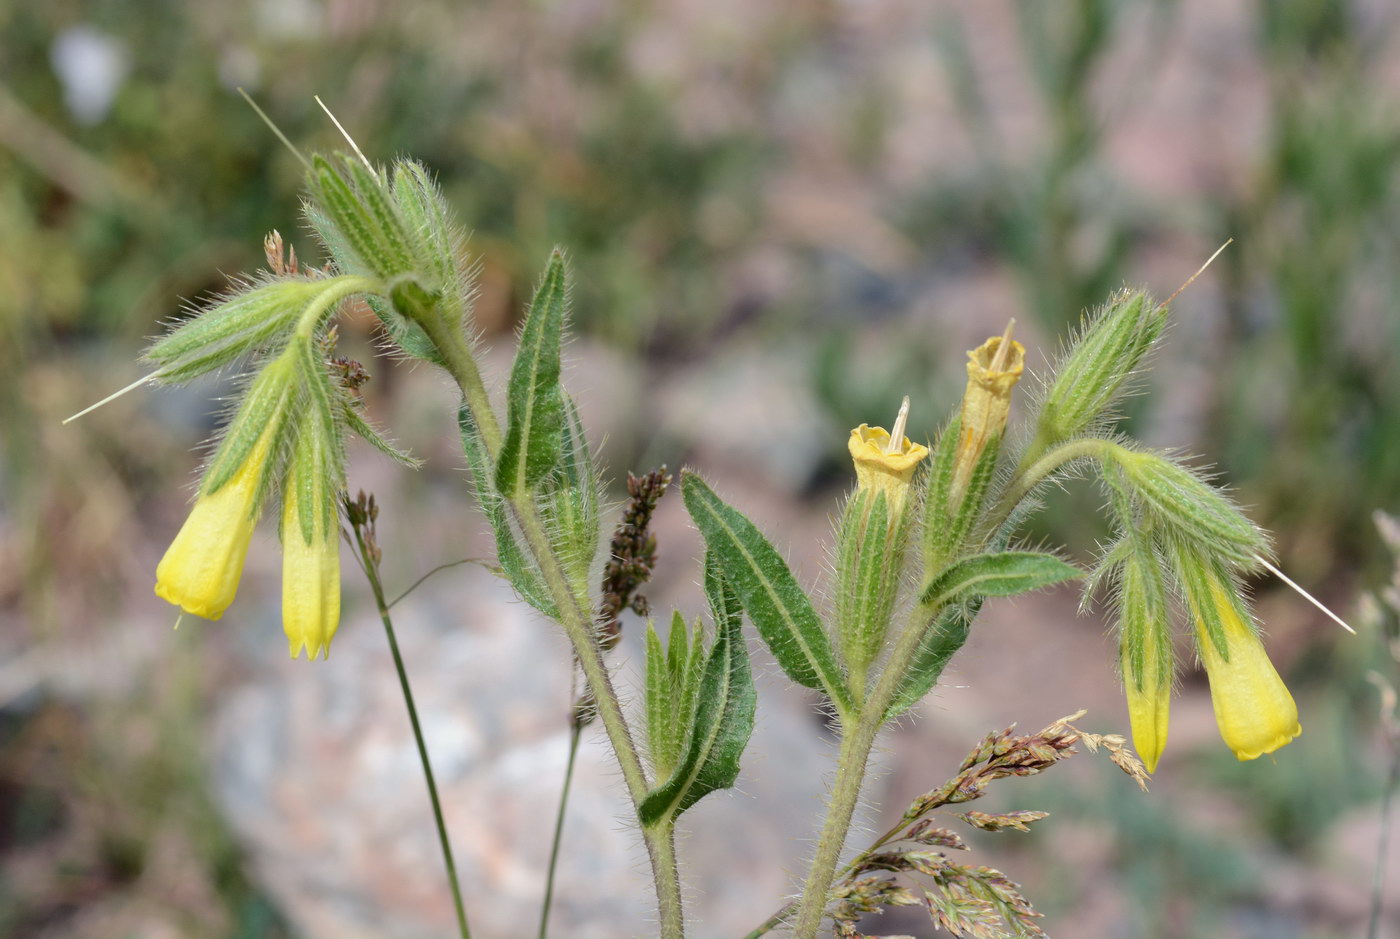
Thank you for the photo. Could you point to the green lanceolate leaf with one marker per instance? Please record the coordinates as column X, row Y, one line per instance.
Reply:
column 572, row 497
column 724, row 602
column 997, row 575
column 939, row 644
column 722, row 725
column 535, row 400
column 780, row 610
column 689, row 672
column 515, row 565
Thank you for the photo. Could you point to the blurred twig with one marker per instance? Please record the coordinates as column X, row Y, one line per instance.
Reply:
column 58, row 159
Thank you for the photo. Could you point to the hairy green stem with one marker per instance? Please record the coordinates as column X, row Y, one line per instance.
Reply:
column 856, row 744
column 336, row 290
column 371, row 570
column 575, row 615
column 1032, row 472
column 457, row 359
column 780, row 917
column 575, row 734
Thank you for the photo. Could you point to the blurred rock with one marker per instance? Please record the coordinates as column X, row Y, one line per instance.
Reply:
column 316, row 770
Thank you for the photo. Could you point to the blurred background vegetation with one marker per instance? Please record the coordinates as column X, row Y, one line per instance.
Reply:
column 847, row 194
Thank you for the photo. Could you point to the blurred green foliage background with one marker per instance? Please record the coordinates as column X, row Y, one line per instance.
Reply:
column 859, row 191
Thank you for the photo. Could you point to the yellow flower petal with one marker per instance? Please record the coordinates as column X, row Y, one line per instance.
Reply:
column 1149, row 708
column 202, row 567
column 1253, row 708
column 878, row 471
column 310, row 583
column 992, row 373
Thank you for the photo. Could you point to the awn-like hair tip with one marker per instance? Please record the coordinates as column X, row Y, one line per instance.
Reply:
column 346, row 134
column 144, row 379
column 1199, row 271
column 275, row 129
column 1305, row 595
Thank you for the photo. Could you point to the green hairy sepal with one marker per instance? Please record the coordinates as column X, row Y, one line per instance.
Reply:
column 1101, row 360
column 1144, row 617
column 362, row 224
column 402, row 236
column 948, row 518
column 250, row 321
column 262, row 414
column 1203, row 580
column 869, row 562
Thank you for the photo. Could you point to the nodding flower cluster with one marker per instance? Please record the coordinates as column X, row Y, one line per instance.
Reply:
column 287, row 432
column 1181, row 543
column 286, row 436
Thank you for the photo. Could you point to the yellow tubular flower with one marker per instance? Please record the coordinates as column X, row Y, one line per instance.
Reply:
column 885, row 465
column 993, row 369
column 201, row 569
column 1149, row 707
column 1253, row 708
column 310, row 578
column 1145, row 651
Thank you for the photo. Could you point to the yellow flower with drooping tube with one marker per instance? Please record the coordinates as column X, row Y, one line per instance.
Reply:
column 1145, row 653
column 1149, row 708
column 1253, row 708
column 310, row 562
column 200, row 571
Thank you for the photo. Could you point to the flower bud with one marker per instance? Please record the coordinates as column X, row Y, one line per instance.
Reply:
column 993, row 369
column 967, row 450
column 1113, row 343
column 1197, row 510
